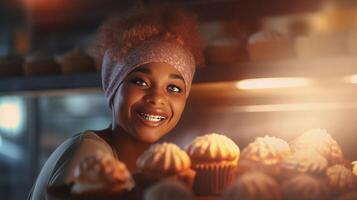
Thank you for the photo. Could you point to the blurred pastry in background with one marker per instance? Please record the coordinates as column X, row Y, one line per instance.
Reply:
column 40, row 63
column 11, row 65
column 269, row 45
column 304, row 187
column 354, row 167
column 304, row 161
column 321, row 141
column 265, row 153
column 101, row 174
column 340, row 179
column 214, row 158
column 165, row 160
column 168, row 190
column 224, row 50
column 77, row 61
column 253, row 185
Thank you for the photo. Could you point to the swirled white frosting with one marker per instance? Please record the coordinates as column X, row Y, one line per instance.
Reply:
column 165, row 158
column 213, row 148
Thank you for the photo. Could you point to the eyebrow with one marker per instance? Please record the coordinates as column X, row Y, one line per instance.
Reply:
column 148, row 71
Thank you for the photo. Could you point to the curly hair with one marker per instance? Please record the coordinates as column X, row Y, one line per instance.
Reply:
column 120, row 33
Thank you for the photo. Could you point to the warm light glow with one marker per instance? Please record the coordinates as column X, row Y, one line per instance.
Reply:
column 271, row 83
column 351, row 79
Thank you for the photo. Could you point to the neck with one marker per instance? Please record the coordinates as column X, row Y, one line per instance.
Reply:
column 128, row 147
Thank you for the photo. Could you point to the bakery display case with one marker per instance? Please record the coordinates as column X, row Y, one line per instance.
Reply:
column 273, row 68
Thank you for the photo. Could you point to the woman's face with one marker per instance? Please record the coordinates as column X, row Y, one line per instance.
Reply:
column 150, row 101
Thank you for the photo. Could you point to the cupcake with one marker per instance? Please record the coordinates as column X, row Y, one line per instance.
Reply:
column 303, row 161
column 354, row 167
column 165, row 160
column 253, row 185
column 214, row 158
column 168, row 190
column 322, row 142
column 101, row 174
column 304, row 187
column 77, row 61
column 340, row 179
column 265, row 153
column 40, row 64
column 348, row 196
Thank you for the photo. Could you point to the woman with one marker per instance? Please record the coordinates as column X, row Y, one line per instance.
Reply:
column 148, row 61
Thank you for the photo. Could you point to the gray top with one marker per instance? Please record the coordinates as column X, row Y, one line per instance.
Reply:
column 59, row 167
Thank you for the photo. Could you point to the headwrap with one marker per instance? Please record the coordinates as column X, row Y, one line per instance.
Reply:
column 153, row 50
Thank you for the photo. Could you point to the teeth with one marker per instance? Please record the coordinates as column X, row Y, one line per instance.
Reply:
column 154, row 118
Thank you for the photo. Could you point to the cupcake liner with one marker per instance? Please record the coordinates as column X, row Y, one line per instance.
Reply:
column 212, row 179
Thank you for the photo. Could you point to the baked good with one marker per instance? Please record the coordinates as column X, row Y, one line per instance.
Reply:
column 354, row 167
column 168, row 190
column 322, row 142
column 265, row 153
column 11, row 65
column 340, row 179
column 348, row 196
column 77, row 61
column 165, row 160
column 303, row 161
column 214, row 158
column 101, row 174
column 269, row 45
column 253, row 185
column 304, row 187
column 40, row 64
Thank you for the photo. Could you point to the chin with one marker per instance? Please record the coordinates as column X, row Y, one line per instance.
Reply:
column 148, row 138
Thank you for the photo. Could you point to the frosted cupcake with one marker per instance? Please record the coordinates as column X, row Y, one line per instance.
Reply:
column 253, row 185
column 165, row 160
column 168, row 190
column 304, row 161
column 322, row 142
column 101, row 174
column 214, row 158
column 304, row 187
column 340, row 179
column 265, row 153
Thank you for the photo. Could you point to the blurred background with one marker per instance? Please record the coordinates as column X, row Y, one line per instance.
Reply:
column 273, row 67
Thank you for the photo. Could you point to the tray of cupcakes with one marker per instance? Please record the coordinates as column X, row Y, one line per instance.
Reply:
column 212, row 167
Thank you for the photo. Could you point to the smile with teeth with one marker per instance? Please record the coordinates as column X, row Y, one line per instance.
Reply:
column 153, row 118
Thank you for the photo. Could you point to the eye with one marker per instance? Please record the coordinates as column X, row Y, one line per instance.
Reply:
column 174, row 89
column 139, row 82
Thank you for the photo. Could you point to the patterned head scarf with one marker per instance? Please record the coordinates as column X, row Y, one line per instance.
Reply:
column 152, row 50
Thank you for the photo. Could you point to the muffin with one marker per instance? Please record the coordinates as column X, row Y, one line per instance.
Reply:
column 348, row 196
column 303, row 161
column 253, row 185
column 165, row 160
column 214, row 158
column 322, row 142
column 354, row 167
column 265, row 153
column 40, row 64
column 77, row 61
column 168, row 190
column 101, row 174
column 304, row 187
column 340, row 179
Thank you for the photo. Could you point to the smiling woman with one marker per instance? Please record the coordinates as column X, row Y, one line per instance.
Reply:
column 148, row 60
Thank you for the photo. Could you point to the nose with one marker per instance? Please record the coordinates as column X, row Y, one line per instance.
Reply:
column 156, row 97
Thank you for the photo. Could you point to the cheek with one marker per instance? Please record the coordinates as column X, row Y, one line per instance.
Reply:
column 178, row 107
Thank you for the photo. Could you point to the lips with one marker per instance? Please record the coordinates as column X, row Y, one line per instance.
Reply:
column 151, row 117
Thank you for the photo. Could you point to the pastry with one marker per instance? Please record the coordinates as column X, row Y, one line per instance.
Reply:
column 304, row 187
column 168, row 190
column 253, row 185
column 340, row 179
column 322, row 142
column 265, row 153
column 214, row 158
column 11, row 65
column 354, row 167
column 77, row 61
column 40, row 64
